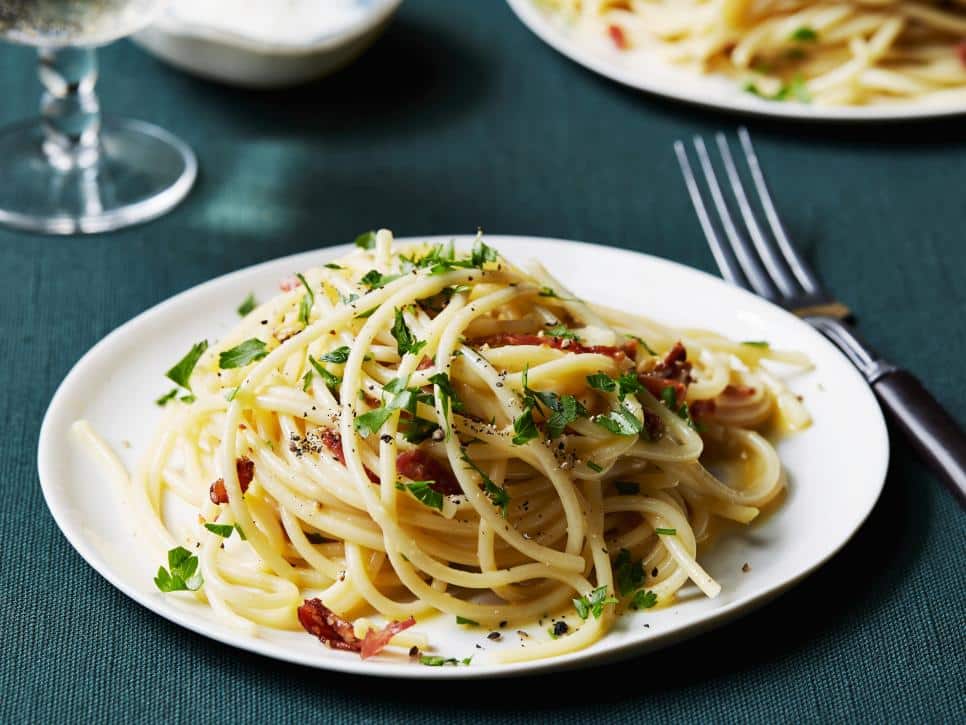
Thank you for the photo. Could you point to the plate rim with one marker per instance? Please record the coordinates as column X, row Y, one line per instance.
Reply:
column 535, row 20
column 46, row 448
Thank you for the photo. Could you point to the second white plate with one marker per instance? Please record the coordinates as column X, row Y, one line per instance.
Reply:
column 836, row 467
column 649, row 72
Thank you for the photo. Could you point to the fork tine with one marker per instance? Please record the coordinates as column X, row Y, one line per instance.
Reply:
column 767, row 252
column 799, row 267
column 757, row 276
column 726, row 263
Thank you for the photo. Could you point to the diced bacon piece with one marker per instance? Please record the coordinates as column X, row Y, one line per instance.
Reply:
column 418, row 465
column 246, row 472
column 701, row 409
column 288, row 283
column 616, row 33
column 376, row 639
column 653, row 425
column 961, row 51
column 332, row 630
column 333, row 441
column 425, row 364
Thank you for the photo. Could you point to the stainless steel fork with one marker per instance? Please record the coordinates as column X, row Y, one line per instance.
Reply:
column 768, row 264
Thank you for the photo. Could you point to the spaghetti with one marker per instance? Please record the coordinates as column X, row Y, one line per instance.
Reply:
column 413, row 431
column 850, row 52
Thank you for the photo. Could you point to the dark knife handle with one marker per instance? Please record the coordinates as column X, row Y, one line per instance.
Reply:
column 932, row 431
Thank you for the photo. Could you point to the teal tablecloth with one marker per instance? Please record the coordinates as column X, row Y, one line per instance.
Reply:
column 459, row 117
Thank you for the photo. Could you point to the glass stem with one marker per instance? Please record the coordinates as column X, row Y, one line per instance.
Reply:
column 69, row 108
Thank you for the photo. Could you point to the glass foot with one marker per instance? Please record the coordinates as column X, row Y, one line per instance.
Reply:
column 138, row 173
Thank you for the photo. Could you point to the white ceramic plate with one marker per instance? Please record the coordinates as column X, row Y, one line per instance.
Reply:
column 649, row 72
column 836, row 467
column 187, row 41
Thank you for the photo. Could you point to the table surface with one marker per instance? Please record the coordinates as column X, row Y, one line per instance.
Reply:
column 459, row 117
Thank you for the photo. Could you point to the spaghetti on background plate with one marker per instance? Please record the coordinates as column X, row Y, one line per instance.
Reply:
column 422, row 431
column 845, row 53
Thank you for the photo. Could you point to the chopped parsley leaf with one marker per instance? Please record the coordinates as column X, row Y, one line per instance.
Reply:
column 167, row 397
column 416, row 430
column 307, row 301
column 367, row 313
column 183, row 574
column 423, row 492
column 333, row 265
column 403, row 399
column 247, row 305
column 628, row 575
column 524, row 428
column 230, row 395
column 406, row 341
column 600, row 381
column 374, row 279
column 249, row 351
column 497, row 494
column 804, row 34
column 181, row 372
column 223, row 530
column 447, row 398
column 464, row 620
column 189, row 398
column 669, row 398
column 366, row 240
column 665, row 532
column 644, row 599
column 331, row 381
column 562, row 332
column 620, row 422
column 593, row 603
column 307, row 381
column 339, row 355
column 437, row 661
column 756, row 343
column 594, row 467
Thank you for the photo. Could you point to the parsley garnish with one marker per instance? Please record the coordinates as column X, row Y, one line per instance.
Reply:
column 422, row 491
column 644, row 599
column 403, row 399
column 669, row 398
column 593, row 603
column 406, row 341
column 756, row 343
column 626, row 384
column 183, row 575
column 333, row 265
column 564, row 410
column 550, row 292
column 464, row 620
column 366, row 240
column 665, row 532
column 167, row 397
column 804, row 34
column 620, row 422
column 307, row 301
column 628, row 575
column 627, row 488
column 331, row 381
column 247, row 305
column 339, row 355
column 447, row 398
column 437, row 661
column 594, row 467
column 230, row 395
column 223, row 530
column 563, row 333
column 189, row 398
column 416, row 430
column 366, row 313
column 249, row 351
column 181, row 372
column 374, row 279
column 307, row 381
column 497, row 494
column 442, row 258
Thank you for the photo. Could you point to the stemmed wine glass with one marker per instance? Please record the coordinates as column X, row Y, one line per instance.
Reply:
column 72, row 171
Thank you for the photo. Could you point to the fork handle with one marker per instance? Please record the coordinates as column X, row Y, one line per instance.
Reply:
column 932, row 431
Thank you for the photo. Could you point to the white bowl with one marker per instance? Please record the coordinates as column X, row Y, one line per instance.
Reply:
column 245, row 60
